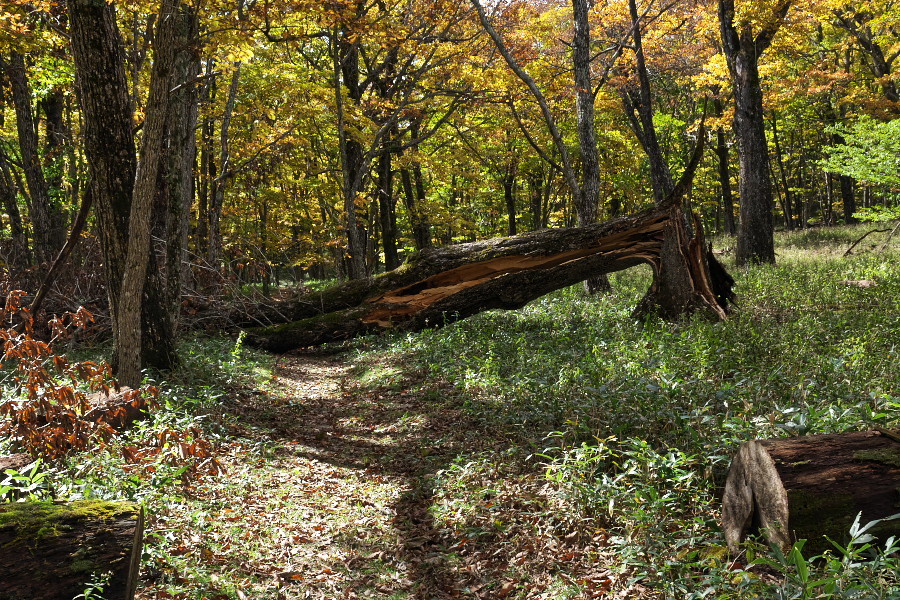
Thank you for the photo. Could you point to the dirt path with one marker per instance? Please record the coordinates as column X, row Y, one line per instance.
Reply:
column 338, row 505
column 338, row 490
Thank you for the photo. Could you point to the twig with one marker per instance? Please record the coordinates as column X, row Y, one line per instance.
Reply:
column 63, row 255
column 890, row 235
column 853, row 245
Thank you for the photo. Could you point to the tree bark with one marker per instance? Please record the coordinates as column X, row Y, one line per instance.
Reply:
column 52, row 550
column 386, row 206
column 182, row 142
column 421, row 228
column 809, row 487
column 57, row 137
column 109, row 148
column 724, row 170
column 756, row 234
column 346, row 75
column 139, row 248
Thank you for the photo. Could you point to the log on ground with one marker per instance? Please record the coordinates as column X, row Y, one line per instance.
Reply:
column 54, row 550
column 810, row 487
column 442, row 285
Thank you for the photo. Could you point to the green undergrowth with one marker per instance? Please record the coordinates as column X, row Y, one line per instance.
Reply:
column 633, row 424
column 161, row 460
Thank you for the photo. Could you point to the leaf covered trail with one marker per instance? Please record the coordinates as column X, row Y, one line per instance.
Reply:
column 338, row 489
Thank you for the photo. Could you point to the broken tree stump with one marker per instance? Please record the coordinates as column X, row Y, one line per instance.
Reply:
column 810, row 487
column 53, row 550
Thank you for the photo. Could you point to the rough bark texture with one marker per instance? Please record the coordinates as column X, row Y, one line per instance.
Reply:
column 742, row 50
column 439, row 286
column 139, row 249
column 109, row 147
column 586, row 207
column 51, row 551
column 809, row 487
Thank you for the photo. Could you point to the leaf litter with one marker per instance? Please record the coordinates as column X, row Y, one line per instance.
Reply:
column 333, row 488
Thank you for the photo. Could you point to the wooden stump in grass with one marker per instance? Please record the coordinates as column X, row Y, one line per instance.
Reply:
column 810, row 487
column 54, row 550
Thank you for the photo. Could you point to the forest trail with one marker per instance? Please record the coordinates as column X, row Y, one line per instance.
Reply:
column 336, row 504
column 338, row 489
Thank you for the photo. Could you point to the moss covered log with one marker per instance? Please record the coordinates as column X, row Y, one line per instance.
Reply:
column 54, row 550
column 810, row 487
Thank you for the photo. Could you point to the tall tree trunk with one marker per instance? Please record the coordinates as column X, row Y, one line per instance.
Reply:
column 57, row 138
column 109, row 147
column 145, row 186
column 639, row 107
column 39, row 205
column 724, row 172
column 346, row 75
column 386, row 206
column 756, row 237
column 181, row 135
column 108, row 143
column 509, row 197
column 587, row 198
column 421, row 228
column 221, row 180
column 587, row 203
column 779, row 156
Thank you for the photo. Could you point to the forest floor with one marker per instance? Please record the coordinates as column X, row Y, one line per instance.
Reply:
column 331, row 494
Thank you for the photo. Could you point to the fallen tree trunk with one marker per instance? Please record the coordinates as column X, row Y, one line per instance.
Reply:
column 812, row 486
column 54, row 551
column 442, row 285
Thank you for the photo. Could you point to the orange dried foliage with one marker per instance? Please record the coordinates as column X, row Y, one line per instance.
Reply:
column 54, row 406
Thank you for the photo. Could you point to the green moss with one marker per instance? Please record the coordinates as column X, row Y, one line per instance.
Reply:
column 38, row 520
column 887, row 456
column 815, row 516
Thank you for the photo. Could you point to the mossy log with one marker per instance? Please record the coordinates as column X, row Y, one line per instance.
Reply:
column 810, row 487
column 54, row 550
column 441, row 285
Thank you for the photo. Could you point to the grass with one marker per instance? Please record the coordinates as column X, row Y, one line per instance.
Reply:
column 559, row 451
column 634, row 424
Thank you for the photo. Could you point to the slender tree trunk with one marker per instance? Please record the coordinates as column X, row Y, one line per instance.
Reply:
column 725, row 181
column 20, row 256
column 779, row 156
column 756, row 241
column 509, row 197
column 421, row 228
column 139, row 247
column 39, row 206
column 221, row 180
column 346, row 72
column 386, row 206
column 181, row 128
column 584, row 105
column 587, row 197
column 57, row 138
column 639, row 107
column 724, row 173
